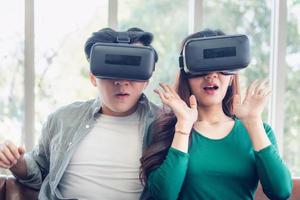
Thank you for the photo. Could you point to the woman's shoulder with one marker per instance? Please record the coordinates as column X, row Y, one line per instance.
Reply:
column 268, row 129
column 266, row 125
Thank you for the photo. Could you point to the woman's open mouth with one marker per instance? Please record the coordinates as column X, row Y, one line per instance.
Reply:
column 211, row 89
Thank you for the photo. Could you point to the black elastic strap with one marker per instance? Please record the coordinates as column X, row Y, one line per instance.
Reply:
column 181, row 61
column 123, row 37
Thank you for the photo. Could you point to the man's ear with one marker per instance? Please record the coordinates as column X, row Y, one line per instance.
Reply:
column 93, row 79
column 146, row 84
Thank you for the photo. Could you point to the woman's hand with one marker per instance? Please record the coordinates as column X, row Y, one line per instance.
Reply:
column 252, row 106
column 186, row 116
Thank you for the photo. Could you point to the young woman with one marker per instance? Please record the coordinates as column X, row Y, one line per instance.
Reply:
column 212, row 145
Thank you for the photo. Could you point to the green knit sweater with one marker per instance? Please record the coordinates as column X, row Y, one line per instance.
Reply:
column 227, row 168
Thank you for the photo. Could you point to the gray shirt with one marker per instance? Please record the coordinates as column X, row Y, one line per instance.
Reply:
column 60, row 137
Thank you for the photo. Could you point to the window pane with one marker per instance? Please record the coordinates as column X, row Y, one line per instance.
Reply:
column 62, row 27
column 168, row 21
column 12, row 70
column 292, row 93
column 244, row 17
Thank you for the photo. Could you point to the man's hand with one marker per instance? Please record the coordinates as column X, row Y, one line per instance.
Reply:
column 10, row 154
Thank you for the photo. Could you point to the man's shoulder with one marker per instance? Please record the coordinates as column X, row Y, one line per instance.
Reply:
column 154, row 106
column 74, row 109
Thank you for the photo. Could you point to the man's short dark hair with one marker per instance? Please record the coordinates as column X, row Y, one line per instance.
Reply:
column 108, row 35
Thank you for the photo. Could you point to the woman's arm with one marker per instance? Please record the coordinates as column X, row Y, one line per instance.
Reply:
column 186, row 116
column 165, row 182
column 273, row 173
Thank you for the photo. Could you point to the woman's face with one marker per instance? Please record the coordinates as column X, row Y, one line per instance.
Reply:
column 211, row 88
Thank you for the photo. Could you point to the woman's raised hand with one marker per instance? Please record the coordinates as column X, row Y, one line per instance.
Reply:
column 255, row 100
column 184, row 114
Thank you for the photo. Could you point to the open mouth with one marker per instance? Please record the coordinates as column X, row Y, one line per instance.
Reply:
column 211, row 88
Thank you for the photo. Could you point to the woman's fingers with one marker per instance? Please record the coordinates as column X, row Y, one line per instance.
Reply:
column 265, row 92
column 164, row 87
column 261, row 85
column 251, row 89
column 193, row 102
column 172, row 90
column 161, row 95
column 167, row 93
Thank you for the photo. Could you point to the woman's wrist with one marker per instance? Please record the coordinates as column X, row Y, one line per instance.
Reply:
column 248, row 122
column 183, row 127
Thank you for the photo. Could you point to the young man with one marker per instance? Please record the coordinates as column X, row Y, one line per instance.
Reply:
column 91, row 150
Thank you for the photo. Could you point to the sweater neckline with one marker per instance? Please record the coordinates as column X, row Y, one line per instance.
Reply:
column 199, row 134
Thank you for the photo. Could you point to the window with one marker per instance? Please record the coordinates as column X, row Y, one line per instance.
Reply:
column 167, row 20
column 12, row 70
column 244, row 17
column 62, row 27
column 61, row 69
column 292, row 92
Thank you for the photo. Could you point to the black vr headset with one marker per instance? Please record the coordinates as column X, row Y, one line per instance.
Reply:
column 226, row 54
column 122, row 60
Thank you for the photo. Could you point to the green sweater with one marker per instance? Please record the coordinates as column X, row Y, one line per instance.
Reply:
column 226, row 168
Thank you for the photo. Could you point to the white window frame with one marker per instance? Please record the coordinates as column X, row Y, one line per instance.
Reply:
column 29, row 76
column 277, row 69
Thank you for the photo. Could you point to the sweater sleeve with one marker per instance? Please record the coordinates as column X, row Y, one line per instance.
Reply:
column 165, row 182
column 37, row 161
column 273, row 174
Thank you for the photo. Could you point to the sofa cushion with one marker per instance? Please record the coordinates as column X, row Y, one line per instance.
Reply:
column 16, row 191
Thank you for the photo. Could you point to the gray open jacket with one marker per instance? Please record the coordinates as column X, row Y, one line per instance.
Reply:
column 61, row 135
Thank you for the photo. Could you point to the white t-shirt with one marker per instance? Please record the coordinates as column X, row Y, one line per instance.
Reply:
column 105, row 164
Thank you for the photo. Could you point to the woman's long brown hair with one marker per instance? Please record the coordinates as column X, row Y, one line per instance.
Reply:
column 162, row 130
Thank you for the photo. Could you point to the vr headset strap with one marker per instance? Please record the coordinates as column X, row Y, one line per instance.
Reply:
column 180, row 59
column 123, row 37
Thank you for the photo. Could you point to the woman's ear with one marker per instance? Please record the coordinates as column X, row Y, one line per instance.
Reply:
column 93, row 79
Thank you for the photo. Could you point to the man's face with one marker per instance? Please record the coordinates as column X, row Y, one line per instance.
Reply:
column 119, row 97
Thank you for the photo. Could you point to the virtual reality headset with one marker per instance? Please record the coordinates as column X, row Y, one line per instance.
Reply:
column 122, row 61
column 226, row 54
